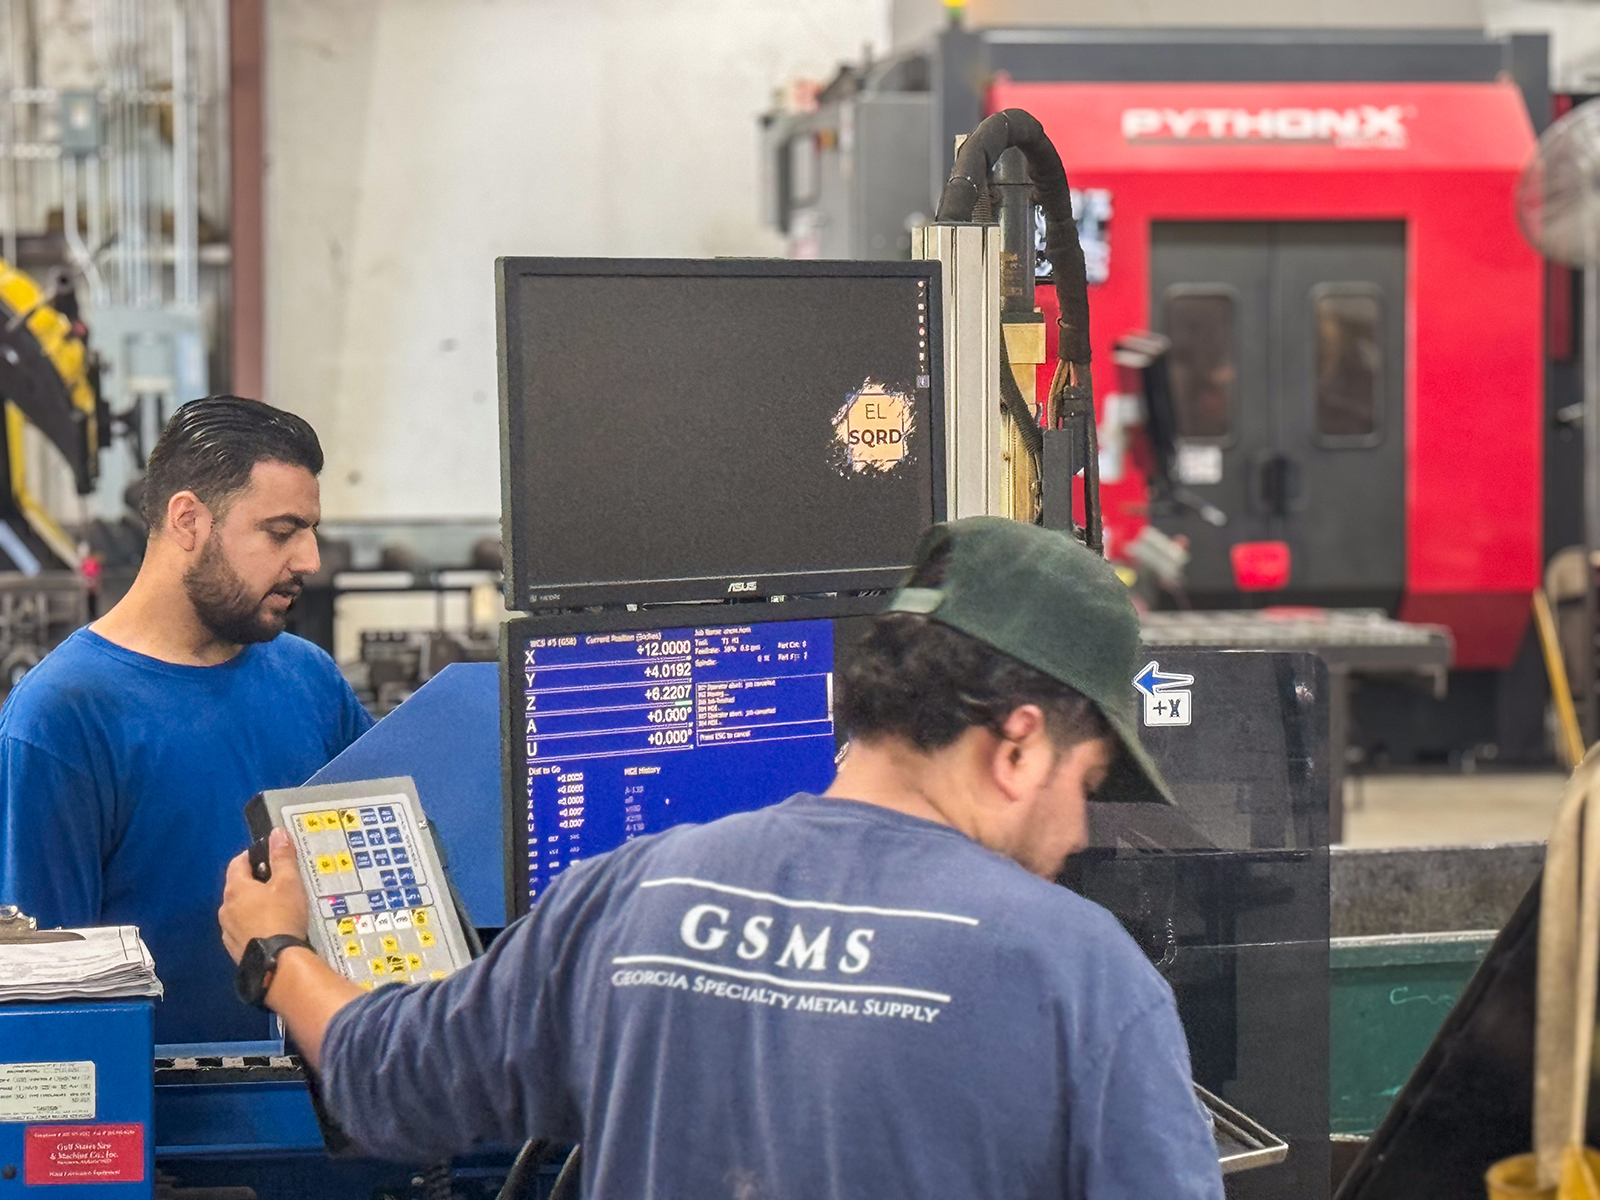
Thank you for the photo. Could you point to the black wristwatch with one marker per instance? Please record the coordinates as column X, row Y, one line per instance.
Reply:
column 257, row 965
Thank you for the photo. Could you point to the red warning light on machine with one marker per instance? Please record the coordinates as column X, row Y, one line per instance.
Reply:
column 1260, row 566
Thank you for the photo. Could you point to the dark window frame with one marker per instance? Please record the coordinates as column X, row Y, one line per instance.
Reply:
column 1380, row 378
column 1179, row 291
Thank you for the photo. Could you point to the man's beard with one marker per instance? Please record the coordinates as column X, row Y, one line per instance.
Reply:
column 224, row 604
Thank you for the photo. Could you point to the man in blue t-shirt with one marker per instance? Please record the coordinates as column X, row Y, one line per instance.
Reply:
column 127, row 755
column 874, row 992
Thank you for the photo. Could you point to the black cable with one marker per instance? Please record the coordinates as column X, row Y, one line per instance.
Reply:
column 566, row 1185
column 1014, row 402
column 524, row 1170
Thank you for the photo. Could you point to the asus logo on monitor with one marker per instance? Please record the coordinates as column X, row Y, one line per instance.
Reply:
column 742, row 586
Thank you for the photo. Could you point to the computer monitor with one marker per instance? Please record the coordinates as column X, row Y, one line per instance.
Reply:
column 626, row 723
column 706, row 429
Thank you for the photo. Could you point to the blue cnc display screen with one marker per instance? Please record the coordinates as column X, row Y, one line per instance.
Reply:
column 634, row 731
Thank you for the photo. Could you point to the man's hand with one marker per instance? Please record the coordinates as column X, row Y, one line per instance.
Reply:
column 252, row 909
column 305, row 991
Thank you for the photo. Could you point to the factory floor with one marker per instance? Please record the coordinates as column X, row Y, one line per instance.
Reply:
column 1450, row 808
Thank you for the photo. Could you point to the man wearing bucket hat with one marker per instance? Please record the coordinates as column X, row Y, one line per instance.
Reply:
column 878, row 991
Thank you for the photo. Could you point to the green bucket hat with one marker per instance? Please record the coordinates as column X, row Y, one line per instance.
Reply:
column 1053, row 604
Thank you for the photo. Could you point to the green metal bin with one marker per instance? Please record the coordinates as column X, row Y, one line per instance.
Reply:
column 1388, row 996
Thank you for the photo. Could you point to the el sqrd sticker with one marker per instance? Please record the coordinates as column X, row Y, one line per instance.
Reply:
column 874, row 427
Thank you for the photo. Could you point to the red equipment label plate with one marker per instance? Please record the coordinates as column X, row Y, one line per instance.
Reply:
column 84, row 1154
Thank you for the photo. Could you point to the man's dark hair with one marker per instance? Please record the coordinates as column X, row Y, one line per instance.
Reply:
column 913, row 678
column 210, row 446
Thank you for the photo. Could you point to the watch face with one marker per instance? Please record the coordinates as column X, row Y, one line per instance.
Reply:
column 250, row 980
column 257, row 964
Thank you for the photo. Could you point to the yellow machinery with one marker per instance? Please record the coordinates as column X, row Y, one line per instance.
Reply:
column 48, row 380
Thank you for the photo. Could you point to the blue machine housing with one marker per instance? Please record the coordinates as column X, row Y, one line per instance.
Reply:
column 447, row 738
column 224, row 1116
column 106, row 1156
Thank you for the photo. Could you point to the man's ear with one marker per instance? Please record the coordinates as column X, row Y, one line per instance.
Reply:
column 1023, row 756
column 188, row 521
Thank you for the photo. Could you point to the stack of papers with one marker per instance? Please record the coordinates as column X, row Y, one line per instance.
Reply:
column 110, row 961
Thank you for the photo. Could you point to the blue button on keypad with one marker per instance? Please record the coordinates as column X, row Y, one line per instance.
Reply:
column 413, row 897
column 395, row 899
column 357, row 840
column 380, row 857
column 363, row 860
column 389, row 879
column 386, row 815
column 408, row 878
column 369, row 816
column 376, row 900
column 394, row 837
column 401, row 858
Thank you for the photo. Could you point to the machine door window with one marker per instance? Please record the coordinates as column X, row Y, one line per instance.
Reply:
column 1201, row 322
column 1348, row 363
column 1287, row 372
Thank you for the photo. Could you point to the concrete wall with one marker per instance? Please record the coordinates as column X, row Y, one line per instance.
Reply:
column 412, row 141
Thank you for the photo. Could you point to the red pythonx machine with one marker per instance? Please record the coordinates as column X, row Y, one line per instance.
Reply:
column 1328, row 373
column 1318, row 230
column 1355, row 331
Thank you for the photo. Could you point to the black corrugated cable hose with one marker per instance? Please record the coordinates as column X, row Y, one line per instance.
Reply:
column 436, row 1182
column 1071, row 392
column 969, row 179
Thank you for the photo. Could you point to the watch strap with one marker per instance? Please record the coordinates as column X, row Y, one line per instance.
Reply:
column 259, row 960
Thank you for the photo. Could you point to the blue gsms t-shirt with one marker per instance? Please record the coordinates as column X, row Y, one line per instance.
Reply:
column 819, row 999
column 123, row 781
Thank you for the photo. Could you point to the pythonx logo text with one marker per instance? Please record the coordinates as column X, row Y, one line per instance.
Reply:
column 1363, row 126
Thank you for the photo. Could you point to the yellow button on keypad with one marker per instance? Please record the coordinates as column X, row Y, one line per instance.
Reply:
column 330, row 820
column 312, row 822
column 414, row 962
column 396, row 964
column 420, row 917
column 390, row 943
column 344, row 862
column 377, row 965
column 352, row 949
column 326, row 864
column 351, row 818
column 439, row 975
column 425, row 938
column 365, row 985
column 347, row 924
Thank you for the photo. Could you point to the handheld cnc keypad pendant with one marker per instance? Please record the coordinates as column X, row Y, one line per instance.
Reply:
column 381, row 908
